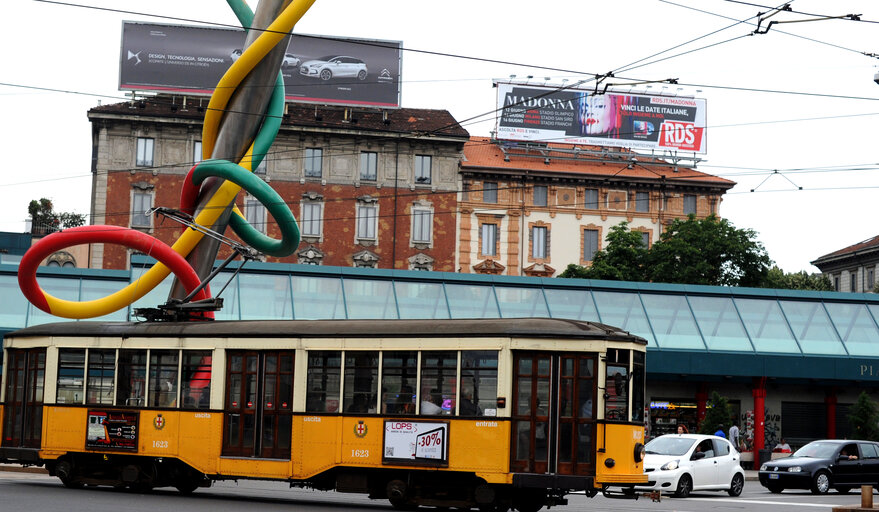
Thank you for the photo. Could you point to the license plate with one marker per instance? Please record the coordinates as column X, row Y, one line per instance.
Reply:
column 773, row 476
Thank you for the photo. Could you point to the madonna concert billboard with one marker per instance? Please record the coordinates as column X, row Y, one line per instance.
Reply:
column 316, row 69
column 576, row 116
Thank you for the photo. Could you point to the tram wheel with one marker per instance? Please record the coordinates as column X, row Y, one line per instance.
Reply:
column 186, row 488
column 70, row 483
column 529, row 501
column 402, row 504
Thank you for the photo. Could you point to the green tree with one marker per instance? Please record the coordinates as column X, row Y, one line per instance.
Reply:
column 708, row 251
column 719, row 415
column 777, row 278
column 622, row 259
column 864, row 419
column 45, row 220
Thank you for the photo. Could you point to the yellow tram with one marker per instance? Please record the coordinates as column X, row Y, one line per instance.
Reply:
column 489, row 414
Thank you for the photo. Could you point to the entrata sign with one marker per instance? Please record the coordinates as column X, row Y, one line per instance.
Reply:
column 316, row 69
column 576, row 116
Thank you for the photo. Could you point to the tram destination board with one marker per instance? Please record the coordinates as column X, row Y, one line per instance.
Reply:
column 112, row 430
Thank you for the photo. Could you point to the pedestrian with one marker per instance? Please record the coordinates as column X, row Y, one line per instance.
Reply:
column 734, row 435
column 720, row 432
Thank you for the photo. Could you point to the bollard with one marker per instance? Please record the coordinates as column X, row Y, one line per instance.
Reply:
column 866, row 496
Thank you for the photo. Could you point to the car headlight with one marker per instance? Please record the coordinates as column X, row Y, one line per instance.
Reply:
column 794, row 469
column 764, row 467
column 670, row 465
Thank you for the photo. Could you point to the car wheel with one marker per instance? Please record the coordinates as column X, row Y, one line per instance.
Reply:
column 685, row 485
column 843, row 489
column 326, row 74
column 737, row 484
column 361, row 75
column 775, row 489
column 821, row 482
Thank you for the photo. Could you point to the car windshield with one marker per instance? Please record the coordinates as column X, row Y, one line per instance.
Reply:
column 669, row 445
column 328, row 57
column 817, row 450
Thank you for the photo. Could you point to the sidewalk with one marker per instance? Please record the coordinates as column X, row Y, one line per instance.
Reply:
column 21, row 469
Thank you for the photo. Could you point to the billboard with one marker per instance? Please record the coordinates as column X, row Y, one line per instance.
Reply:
column 577, row 116
column 316, row 69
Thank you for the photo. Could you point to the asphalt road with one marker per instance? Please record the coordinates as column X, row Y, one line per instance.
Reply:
column 39, row 492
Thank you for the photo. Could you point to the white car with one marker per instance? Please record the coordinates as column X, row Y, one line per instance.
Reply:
column 681, row 463
column 333, row 66
column 290, row 61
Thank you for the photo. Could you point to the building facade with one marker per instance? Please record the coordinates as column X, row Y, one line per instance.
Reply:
column 369, row 188
column 853, row 268
column 532, row 209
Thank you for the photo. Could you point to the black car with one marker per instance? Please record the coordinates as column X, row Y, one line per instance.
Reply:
column 838, row 463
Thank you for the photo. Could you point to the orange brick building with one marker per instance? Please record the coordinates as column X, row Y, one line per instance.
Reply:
column 369, row 188
column 532, row 209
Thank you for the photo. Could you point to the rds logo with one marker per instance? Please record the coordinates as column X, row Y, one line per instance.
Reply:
column 680, row 135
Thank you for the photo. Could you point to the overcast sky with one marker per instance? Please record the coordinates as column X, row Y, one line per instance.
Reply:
column 822, row 139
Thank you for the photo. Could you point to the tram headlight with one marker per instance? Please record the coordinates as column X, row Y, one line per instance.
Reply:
column 639, row 452
column 670, row 465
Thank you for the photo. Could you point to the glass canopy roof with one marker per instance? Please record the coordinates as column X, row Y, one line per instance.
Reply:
column 670, row 317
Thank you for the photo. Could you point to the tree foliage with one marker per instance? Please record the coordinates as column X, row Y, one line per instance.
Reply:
column 622, row 259
column 708, row 251
column 719, row 415
column 864, row 419
column 777, row 278
column 44, row 219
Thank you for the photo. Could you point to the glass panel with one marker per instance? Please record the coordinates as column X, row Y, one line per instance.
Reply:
column 857, row 329
column 196, row 392
column 370, row 299
column 163, row 378
column 523, row 446
column 71, row 371
column 131, row 382
column 361, row 381
column 584, row 436
column 523, row 405
column 421, row 300
column 573, row 304
column 542, row 406
column 265, row 296
column 156, row 296
column 439, row 371
column 231, row 296
column 97, row 288
column 478, row 383
column 101, row 369
column 13, row 314
column 719, row 321
column 317, row 298
column 540, row 430
column 471, row 301
column 521, row 302
column 565, row 430
column 812, row 327
column 61, row 288
column 624, row 310
column 398, row 382
column 672, row 322
column 765, row 323
column 616, row 387
column 323, row 381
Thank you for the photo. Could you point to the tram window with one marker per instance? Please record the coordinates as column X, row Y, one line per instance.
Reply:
column 324, row 373
column 102, row 366
column 439, row 370
column 638, row 384
column 398, row 379
column 361, row 382
column 71, row 370
column 131, row 383
column 616, row 396
column 196, row 381
column 163, row 378
column 478, row 383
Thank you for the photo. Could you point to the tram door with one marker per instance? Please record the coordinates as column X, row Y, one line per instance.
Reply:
column 23, row 418
column 259, row 403
column 553, row 411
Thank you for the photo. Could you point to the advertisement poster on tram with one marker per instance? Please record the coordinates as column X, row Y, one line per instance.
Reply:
column 112, row 430
column 416, row 442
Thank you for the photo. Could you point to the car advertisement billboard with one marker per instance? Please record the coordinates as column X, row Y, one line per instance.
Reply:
column 577, row 116
column 316, row 69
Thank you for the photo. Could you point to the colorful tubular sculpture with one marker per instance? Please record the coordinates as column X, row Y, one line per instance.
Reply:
column 237, row 175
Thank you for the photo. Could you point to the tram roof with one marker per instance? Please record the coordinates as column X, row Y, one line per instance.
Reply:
column 519, row 327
